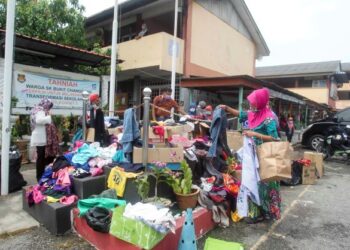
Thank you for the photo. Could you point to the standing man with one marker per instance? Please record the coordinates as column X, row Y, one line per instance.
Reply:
column 166, row 103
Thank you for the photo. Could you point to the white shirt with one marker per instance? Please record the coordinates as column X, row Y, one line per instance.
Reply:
column 38, row 137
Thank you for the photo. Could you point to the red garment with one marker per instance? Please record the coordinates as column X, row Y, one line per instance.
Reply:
column 159, row 130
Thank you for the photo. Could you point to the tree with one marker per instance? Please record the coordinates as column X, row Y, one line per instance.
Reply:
column 60, row 21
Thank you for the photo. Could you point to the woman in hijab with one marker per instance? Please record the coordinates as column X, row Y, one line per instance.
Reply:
column 44, row 135
column 262, row 128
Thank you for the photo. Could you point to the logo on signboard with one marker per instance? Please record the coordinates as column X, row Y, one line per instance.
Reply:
column 21, row 78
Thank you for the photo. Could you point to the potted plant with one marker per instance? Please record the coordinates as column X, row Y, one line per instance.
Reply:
column 186, row 195
column 21, row 128
column 160, row 173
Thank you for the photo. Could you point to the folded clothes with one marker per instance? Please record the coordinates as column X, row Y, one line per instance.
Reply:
column 160, row 220
column 85, row 204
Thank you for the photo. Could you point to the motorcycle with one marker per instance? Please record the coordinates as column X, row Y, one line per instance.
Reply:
column 335, row 143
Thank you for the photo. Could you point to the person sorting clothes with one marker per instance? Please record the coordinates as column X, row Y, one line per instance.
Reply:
column 44, row 136
column 262, row 128
column 165, row 104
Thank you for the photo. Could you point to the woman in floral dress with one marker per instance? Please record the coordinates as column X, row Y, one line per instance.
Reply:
column 262, row 128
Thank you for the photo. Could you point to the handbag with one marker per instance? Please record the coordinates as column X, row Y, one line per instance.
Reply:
column 275, row 161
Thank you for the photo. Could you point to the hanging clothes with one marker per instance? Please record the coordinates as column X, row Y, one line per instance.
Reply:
column 219, row 145
column 131, row 130
column 250, row 177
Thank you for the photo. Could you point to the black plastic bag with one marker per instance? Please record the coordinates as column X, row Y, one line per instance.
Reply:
column 297, row 170
column 99, row 219
column 16, row 180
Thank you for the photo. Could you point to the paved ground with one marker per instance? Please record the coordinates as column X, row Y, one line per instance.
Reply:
column 314, row 217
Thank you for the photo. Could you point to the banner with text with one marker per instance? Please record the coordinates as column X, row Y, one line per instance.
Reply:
column 30, row 88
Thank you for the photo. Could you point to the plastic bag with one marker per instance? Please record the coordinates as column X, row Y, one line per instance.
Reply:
column 99, row 219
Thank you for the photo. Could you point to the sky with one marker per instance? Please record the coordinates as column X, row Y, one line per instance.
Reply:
column 295, row 31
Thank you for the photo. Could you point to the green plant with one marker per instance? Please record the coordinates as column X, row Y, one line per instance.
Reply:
column 159, row 172
column 14, row 101
column 21, row 127
column 181, row 184
column 143, row 186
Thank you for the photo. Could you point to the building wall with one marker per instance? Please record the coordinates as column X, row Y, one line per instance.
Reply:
column 320, row 95
column 149, row 51
column 218, row 47
column 342, row 104
column 225, row 10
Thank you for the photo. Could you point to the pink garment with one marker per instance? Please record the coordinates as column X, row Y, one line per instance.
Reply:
column 68, row 200
column 259, row 99
column 77, row 145
column 62, row 177
column 37, row 195
column 180, row 140
column 96, row 171
column 99, row 162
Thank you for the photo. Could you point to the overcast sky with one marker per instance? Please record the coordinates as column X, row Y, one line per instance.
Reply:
column 295, row 31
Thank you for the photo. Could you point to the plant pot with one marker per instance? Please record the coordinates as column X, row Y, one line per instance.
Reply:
column 187, row 200
column 22, row 146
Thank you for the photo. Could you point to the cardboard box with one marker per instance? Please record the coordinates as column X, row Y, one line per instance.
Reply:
column 161, row 153
column 115, row 131
column 178, row 130
column 168, row 131
column 309, row 174
column 316, row 158
column 234, row 140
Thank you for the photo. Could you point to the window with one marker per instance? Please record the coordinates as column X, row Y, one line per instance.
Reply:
column 319, row 83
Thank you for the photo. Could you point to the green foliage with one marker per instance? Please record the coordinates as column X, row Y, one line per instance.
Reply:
column 103, row 68
column 60, row 21
column 143, row 186
column 14, row 101
column 182, row 184
column 21, row 127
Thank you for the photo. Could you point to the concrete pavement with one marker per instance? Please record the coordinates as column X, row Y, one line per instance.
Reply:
column 314, row 217
column 13, row 218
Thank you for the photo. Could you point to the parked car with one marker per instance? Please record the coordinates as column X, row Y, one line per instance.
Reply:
column 316, row 131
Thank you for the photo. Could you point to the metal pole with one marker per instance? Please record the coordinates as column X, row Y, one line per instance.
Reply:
column 174, row 55
column 85, row 98
column 6, row 129
column 146, row 104
column 240, row 102
column 113, row 82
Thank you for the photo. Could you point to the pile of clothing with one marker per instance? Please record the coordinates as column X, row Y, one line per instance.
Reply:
column 54, row 186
